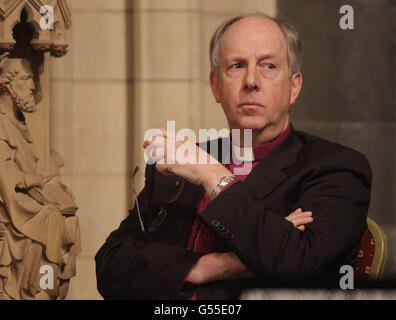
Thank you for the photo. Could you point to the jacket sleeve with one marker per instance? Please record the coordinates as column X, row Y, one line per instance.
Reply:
column 338, row 194
column 134, row 265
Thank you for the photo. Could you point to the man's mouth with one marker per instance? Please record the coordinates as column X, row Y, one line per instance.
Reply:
column 251, row 105
column 250, row 108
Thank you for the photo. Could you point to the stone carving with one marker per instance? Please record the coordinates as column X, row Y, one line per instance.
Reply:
column 39, row 231
column 46, row 40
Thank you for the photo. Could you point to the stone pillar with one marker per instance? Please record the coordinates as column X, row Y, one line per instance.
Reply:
column 91, row 118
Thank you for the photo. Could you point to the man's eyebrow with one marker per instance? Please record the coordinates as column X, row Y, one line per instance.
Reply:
column 235, row 58
column 268, row 56
column 260, row 57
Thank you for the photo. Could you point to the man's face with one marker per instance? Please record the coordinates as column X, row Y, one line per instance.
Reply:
column 23, row 88
column 253, row 84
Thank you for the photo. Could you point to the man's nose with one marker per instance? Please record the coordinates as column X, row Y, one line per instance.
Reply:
column 31, row 85
column 251, row 79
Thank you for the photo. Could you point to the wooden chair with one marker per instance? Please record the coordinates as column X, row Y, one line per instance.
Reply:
column 372, row 254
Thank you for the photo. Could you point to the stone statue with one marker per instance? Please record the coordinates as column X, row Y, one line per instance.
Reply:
column 39, row 232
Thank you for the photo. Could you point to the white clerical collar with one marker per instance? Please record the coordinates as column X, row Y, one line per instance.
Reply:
column 242, row 154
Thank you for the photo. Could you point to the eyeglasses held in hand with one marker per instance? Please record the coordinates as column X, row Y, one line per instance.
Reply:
column 172, row 196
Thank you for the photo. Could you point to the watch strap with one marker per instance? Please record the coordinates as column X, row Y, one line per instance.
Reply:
column 221, row 185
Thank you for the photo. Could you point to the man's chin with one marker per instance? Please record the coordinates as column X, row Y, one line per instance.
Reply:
column 252, row 123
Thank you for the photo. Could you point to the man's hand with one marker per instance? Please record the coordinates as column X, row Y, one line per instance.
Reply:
column 185, row 159
column 300, row 218
column 223, row 266
column 218, row 266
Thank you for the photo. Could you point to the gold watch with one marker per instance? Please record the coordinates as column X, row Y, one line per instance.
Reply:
column 222, row 183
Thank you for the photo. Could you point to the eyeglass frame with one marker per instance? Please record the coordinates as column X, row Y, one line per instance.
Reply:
column 163, row 210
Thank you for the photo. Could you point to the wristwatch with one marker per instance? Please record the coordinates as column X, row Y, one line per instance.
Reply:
column 222, row 183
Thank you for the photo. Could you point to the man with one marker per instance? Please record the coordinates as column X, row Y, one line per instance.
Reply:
column 37, row 222
column 226, row 232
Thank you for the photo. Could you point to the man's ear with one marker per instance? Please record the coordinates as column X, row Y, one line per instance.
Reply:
column 296, row 85
column 214, row 84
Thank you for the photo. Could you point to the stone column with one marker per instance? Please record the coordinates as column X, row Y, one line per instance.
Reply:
column 91, row 118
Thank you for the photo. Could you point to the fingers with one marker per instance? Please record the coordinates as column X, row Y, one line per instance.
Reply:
column 298, row 214
column 298, row 211
column 164, row 134
column 306, row 214
column 164, row 169
column 158, row 146
column 151, row 136
column 300, row 218
column 162, row 145
column 302, row 221
column 154, row 152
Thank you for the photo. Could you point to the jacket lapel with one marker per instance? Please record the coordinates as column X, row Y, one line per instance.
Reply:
column 269, row 173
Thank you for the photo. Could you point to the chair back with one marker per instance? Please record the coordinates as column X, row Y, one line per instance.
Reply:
column 373, row 252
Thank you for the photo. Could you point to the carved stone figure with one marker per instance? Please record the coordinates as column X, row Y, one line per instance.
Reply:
column 39, row 232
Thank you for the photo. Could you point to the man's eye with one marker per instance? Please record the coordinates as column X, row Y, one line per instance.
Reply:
column 236, row 66
column 270, row 66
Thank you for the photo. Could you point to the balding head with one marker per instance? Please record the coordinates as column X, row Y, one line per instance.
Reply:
column 290, row 37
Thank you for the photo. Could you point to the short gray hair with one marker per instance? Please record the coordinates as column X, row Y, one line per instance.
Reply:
column 294, row 47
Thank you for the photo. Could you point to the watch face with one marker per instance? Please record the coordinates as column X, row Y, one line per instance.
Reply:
column 226, row 180
column 222, row 183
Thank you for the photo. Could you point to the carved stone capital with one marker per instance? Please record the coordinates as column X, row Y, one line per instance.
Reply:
column 49, row 25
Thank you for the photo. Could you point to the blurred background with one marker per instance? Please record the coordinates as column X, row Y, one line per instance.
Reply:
column 134, row 64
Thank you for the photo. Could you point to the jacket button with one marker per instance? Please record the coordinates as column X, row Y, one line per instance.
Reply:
column 215, row 223
column 230, row 236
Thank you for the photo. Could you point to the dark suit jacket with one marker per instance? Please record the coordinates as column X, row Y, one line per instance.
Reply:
column 303, row 171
